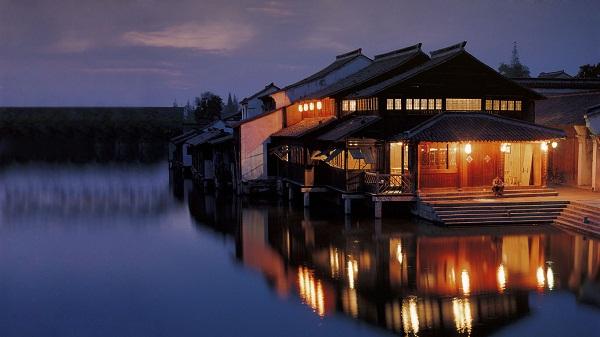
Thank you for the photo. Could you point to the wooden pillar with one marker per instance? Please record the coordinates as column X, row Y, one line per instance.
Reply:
column 544, row 167
column 413, row 165
column 378, row 209
column 596, row 164
column 347, row 206
column 306, row 199
column 290, row 192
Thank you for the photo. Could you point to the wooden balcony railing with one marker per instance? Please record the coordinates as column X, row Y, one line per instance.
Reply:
column 380, row 183
column 292, row 171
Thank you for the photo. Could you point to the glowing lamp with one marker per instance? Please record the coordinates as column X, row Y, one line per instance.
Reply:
column 319, row 105
column 300, row 107
column 311, row 106
column 468, row 148
column 554, row 145
column 305, row 107
column 544, row 146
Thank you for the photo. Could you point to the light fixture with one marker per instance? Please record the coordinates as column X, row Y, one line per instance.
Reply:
column 319, row 105
column 554, row 145
column 311, row 106
column 544, row 146
column 468, row 148
column 305, row 107
column 300, row 107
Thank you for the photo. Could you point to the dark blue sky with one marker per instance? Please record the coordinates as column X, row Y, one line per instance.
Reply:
column 150, row 52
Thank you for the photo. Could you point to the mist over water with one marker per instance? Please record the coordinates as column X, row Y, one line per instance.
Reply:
column 128, row 250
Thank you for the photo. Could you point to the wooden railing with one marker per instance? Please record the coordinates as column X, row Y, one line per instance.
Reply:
column 291, row 171
column 348, row 181
column 380, row 183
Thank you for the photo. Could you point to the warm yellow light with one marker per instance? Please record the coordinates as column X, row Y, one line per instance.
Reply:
column 352, row 271
column 466, row 282
column 311, row 106
column 410, row 316
column 541, row 279
column 300, row 107
column 550, row 278
column 399, row 253
column 554, row 145
column 463, row 319
column 501, row 275
column 311, row 290
column 505, row 148
column 544, row 146
column 319, row 105
column 305, row 107
column 468, row 148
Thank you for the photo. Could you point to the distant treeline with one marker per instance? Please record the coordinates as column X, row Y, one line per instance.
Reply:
column 87, row 134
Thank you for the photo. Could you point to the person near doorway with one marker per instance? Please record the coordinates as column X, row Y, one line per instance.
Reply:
column 498, row 186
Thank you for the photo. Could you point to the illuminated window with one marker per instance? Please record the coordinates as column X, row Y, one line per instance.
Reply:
column 409, row 105
column 398, row 104
column 319, row 105
column 438, row 104
column 424, row 104
column 416, row 104
column 389, row 104
column 352, row 106
column 345, row 105
column 438, row 156
column 463, row 104
column 502, row 105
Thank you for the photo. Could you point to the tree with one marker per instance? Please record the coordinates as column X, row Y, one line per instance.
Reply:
column 589, row 71
column 232, row 105
column 208, row 107
column 515, row 69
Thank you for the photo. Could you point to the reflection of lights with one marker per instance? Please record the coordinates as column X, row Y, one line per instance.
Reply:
column 311, row 290
column 399, row 252
column 462, row 315
column 501, row 278
column 550, row 278
column 334, row 262
column 410, row 317
column 466, row 282
column 541, row 279
column 352, row 271
column 350, row 302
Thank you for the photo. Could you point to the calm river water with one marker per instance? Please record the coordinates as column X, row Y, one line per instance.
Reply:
column 125, row 251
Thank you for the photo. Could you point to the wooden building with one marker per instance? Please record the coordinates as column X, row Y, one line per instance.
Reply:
column 406, row 123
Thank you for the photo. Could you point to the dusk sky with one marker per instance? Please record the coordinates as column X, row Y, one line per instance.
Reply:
column 151, row 52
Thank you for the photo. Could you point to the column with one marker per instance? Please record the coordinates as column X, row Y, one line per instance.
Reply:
column 306, row 199
column 583, row 161
column 596, row 164
column 378, row 209
column 347, row 206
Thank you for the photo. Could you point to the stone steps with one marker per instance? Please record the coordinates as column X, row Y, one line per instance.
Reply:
column 488, row 213
column 470, row 196
column 574, row 215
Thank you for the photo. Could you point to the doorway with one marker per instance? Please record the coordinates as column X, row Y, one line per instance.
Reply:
column 518, row 164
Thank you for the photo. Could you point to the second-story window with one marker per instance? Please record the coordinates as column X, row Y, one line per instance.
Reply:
column 463, row 104
column 393, row 104
column 503, row 105
column 424, row 104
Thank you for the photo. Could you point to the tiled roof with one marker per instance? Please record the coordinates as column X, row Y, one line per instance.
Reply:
column 348, row 127
column 382, row 64
column 438, row 57
column 260, row 93
column 304, row 127
column 477, row 126
column 183, row 137
column 340, row 61
column 566, row 109
column 204, row 137
column 560, row 83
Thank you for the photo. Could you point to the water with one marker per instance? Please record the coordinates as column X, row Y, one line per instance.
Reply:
column 123, row 251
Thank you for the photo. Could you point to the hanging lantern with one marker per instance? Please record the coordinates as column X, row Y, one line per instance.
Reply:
column 554, row 145
column 468, row 148
column 300, row 107
column 319, row 105
column 312, row 106
column 305, row 107
column 544, row 146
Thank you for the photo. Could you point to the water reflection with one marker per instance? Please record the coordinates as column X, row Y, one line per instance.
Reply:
column 420, row 281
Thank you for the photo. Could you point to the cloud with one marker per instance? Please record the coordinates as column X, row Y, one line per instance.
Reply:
column 324, row 42
column 211, row 37
column 272, row 8
column 72, row 44
column 134, row 70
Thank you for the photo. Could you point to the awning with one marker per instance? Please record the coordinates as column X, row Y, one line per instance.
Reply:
column 477, row 126
column 347, row 128
column 304, row 127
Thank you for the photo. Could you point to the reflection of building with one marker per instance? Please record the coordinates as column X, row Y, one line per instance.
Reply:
column 411, row 283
